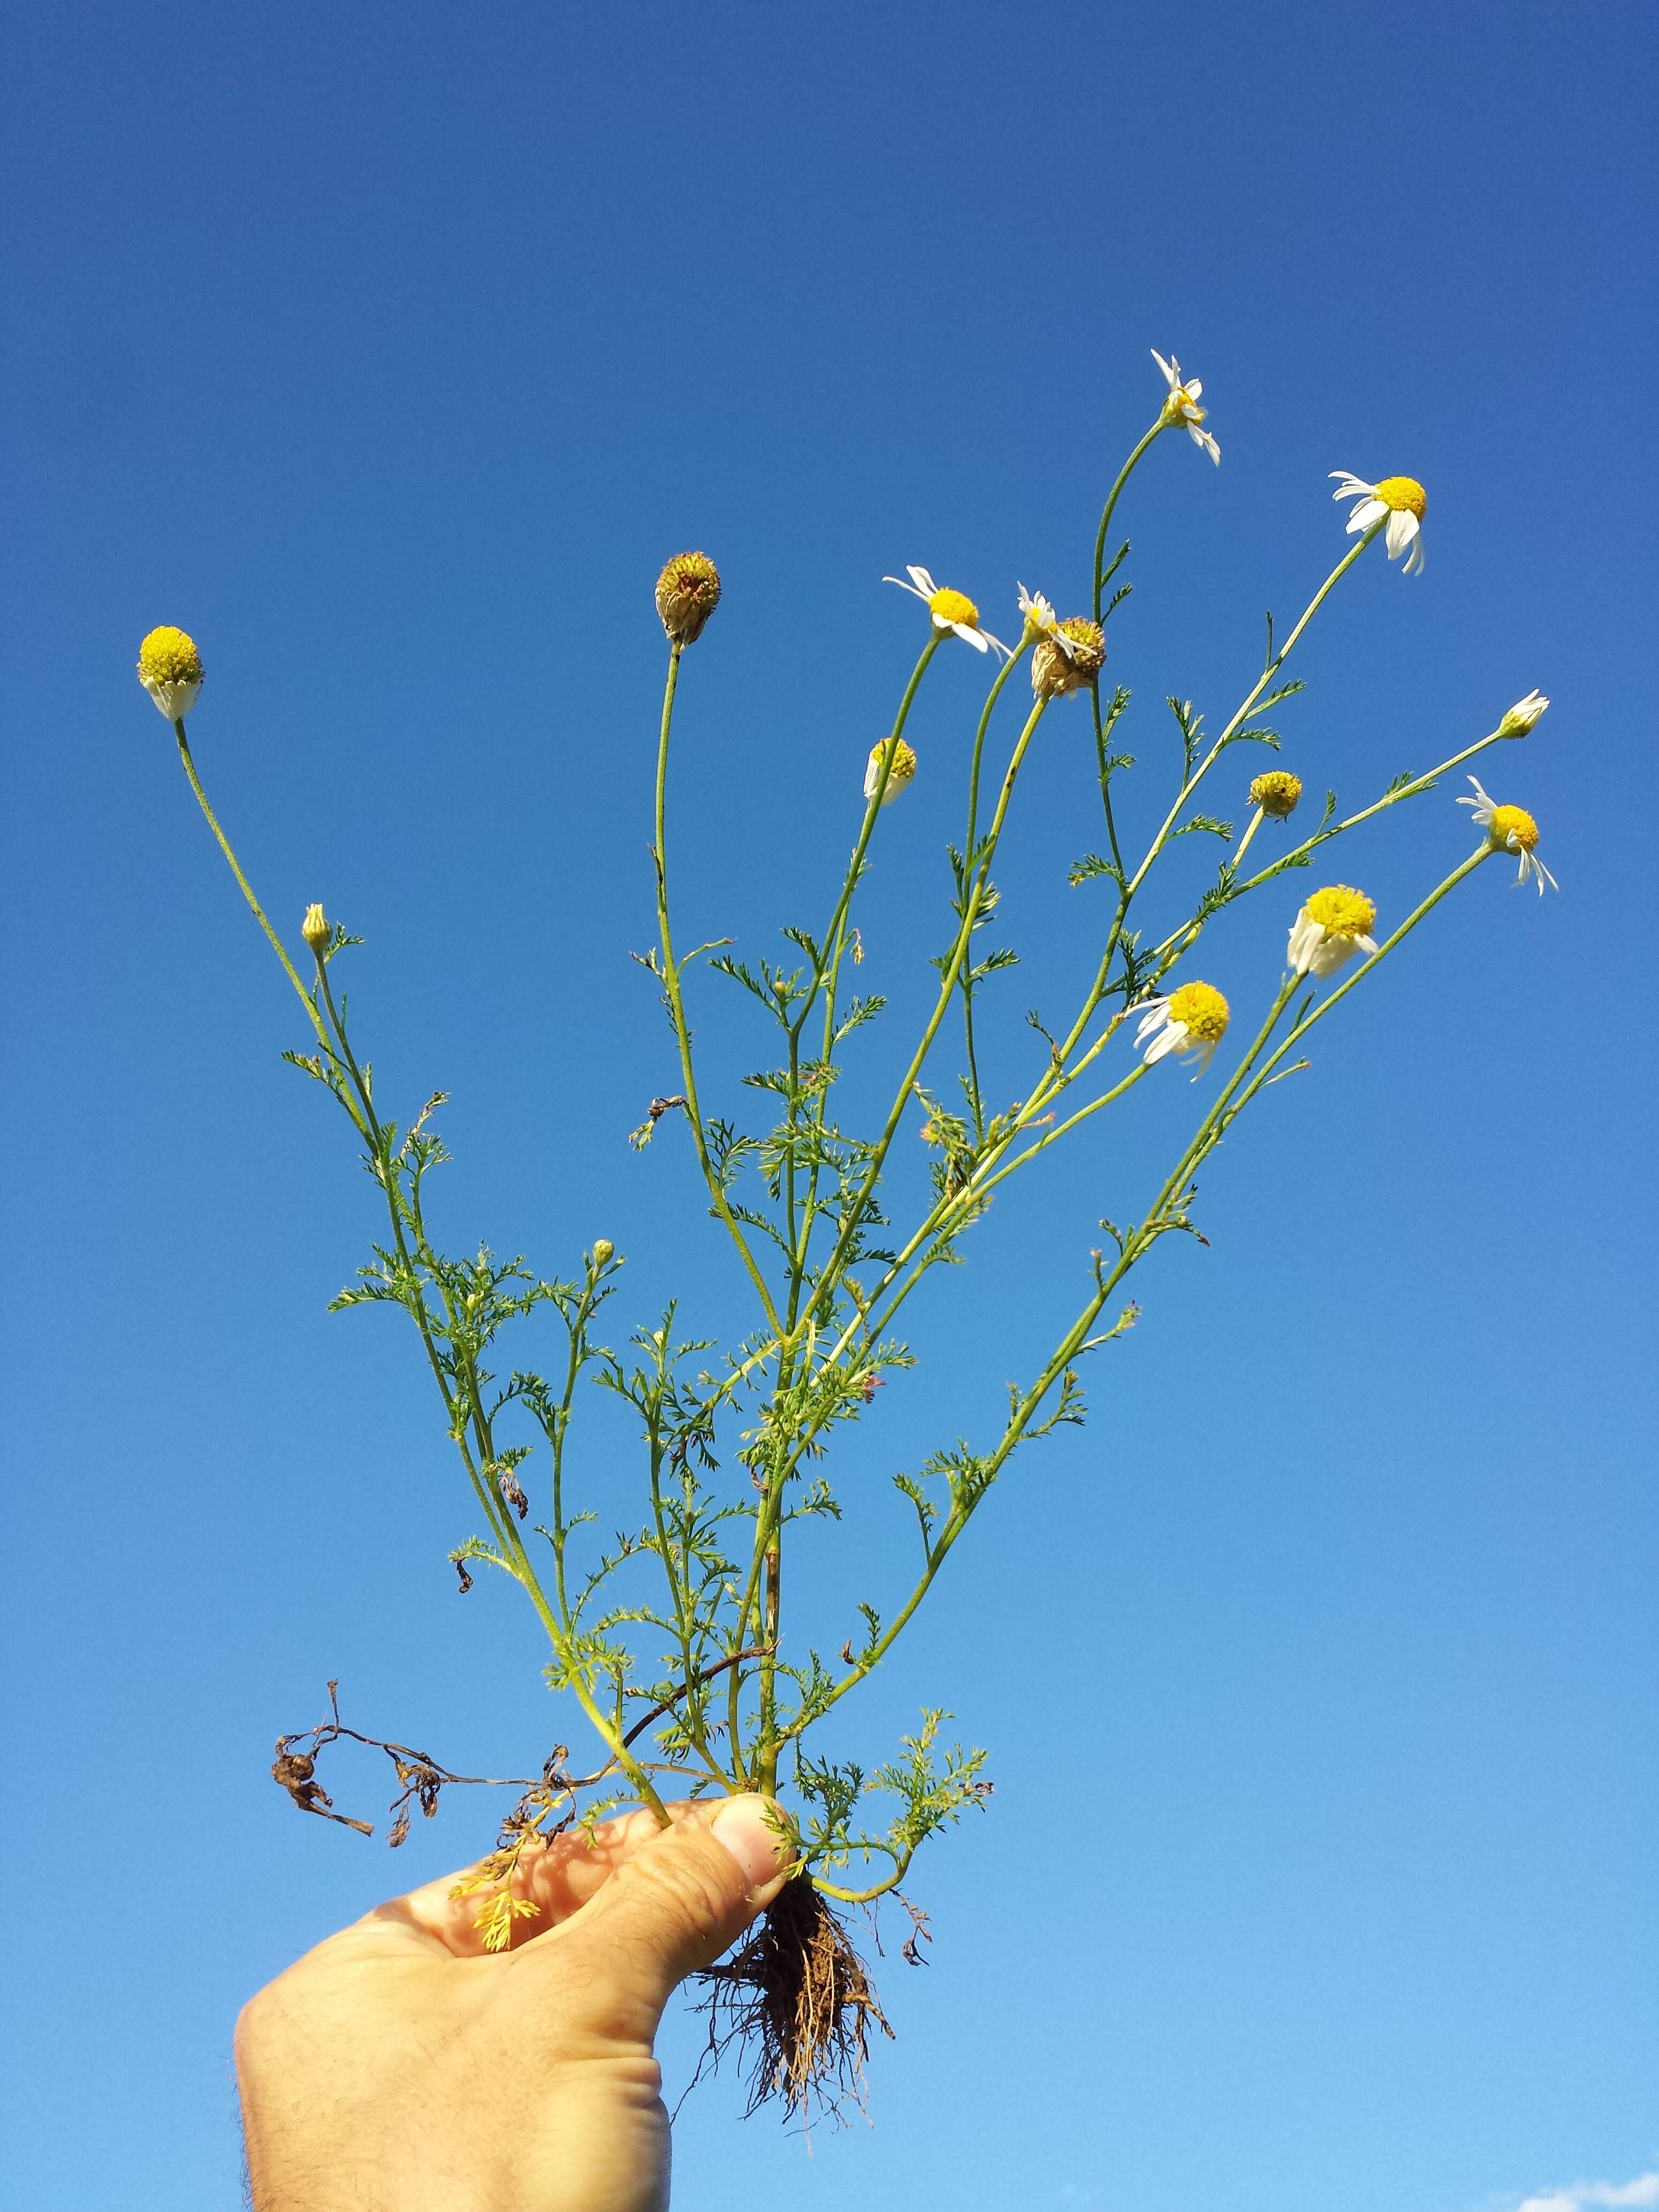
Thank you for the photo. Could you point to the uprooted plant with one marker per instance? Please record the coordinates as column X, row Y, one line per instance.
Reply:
column 691, row 1681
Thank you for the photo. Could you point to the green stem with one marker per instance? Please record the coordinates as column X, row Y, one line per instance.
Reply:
column 277, row 944
column 676, row 1002
column 1003, row 674
column 1096, row 594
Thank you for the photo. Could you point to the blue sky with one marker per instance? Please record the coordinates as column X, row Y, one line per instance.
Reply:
column 390, row 351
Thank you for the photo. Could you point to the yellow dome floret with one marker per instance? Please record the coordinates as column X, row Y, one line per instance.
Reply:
column 1201, row 1011
column 170, row 669
column 1403, row 495
column 688, row 593
column 947, row 607
column 1341, row 911
column 316, row 929
column 1276, row 793
column 1513, row 829
column 898, row 775
column 169, row 656
column 1070, row 660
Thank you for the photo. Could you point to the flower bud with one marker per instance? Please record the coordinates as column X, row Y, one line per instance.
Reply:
column 1523, row 715
column 688, row 593
column 170, row 670
column 1276, row 792
column 1069, row 659
column 604, row 1252
column 316, row 929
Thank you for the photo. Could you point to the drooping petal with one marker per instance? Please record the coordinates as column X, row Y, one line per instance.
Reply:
column 1402, row 528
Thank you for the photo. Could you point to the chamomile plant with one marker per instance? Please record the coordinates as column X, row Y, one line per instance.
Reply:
column 672, row 1646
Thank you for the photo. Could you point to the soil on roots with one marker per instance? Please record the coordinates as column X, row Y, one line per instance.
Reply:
column 798, row 2006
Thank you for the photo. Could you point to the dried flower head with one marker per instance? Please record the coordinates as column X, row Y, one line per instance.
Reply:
column 170, row 669
column 1276, row 793
column 688, row 593
column 1070, row 660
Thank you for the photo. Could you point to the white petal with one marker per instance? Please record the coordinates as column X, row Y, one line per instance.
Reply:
column 1415, row 559
column 975, row 638
column 922, row 579
column 1171, row 376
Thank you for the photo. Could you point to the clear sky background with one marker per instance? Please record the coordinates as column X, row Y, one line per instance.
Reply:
column 389, row 351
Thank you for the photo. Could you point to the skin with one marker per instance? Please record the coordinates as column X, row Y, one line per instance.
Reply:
column 399, row 2068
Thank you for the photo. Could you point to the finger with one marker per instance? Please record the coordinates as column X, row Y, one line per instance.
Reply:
column 558, row 1880
column 673, row 1902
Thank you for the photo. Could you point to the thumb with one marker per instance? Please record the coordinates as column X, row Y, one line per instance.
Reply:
column 671, row 1907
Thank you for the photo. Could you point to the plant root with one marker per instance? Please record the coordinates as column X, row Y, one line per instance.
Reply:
column 798, row 2005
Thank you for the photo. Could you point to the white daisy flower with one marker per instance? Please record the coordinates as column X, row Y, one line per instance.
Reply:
column 1402, row 499
column 1511, row 829
column 1190, row 1022
column 170, row 670
column 1330, row 928
column 1041, row 620
column 1181, row 409
column 1523, row 715
column 900, row 774
column 951, row 611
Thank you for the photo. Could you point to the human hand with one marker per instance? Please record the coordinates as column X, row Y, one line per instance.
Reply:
column 400, row 2068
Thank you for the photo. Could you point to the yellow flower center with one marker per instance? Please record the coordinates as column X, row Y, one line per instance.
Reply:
column 1202, row 1011
column 1514, row 829
column 1182, row 407
column 1276, row 792
column 948, row 606
column 904, row 761
column 169, row 656
column 1342, row 911
column 1403, row 495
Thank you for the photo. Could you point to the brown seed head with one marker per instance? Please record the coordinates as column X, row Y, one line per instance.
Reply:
column 688, row 593
column 1055, row 670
